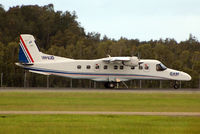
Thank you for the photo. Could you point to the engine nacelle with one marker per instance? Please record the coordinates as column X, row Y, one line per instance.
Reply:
column 134, row 61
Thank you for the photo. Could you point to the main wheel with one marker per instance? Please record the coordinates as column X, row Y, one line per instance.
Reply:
column 109, row 85
column 106, row 85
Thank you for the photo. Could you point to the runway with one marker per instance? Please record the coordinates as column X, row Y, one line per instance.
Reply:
column 121, row 90
column 103, row 113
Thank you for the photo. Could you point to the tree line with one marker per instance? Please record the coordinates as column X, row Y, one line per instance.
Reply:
column 59, row 33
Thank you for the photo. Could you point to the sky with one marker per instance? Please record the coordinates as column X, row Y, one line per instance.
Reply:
column 132, row 19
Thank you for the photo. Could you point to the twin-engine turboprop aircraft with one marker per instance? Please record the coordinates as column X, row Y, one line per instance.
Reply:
column 110, row 70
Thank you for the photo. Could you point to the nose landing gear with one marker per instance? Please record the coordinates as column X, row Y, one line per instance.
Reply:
column 176, row 85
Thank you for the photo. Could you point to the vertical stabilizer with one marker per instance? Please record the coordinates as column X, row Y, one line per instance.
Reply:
column 28, row 51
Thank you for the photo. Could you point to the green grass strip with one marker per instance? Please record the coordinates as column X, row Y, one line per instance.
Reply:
column 100, row 101
column 98, row 124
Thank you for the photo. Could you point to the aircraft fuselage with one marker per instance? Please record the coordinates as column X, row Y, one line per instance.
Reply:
column 98, row 70
column 110, row 70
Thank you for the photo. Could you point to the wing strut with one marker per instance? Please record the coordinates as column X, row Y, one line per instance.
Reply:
column 124, row 84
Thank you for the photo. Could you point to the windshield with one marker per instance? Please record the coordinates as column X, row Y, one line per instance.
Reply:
column 160, row 67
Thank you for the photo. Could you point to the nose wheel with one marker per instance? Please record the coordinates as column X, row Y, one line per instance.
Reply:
column 176, row 85
column 109, row 85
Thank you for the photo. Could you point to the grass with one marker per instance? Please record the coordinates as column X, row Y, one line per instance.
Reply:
column 98, row 124
column 100, row 101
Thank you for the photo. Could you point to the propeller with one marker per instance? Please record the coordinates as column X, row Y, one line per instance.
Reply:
column 138, row 56
column 139, row 63
column 108, row 55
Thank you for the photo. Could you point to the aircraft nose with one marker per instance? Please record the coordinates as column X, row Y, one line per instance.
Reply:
column 187, row 77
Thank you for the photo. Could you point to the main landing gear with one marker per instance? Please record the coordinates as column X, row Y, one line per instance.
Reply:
column 110, row 84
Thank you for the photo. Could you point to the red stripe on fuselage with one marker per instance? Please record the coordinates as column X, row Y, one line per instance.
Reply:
column 26, row 49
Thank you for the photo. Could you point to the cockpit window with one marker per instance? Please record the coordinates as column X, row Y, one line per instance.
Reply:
column 160, row 67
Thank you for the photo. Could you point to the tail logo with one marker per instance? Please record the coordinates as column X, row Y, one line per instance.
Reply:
column 24, row 54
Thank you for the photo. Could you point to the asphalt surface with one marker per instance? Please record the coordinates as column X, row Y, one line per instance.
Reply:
column 145, row 90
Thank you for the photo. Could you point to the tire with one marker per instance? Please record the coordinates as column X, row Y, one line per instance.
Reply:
column 109, row 85
column 176, row 86
column 106, row 85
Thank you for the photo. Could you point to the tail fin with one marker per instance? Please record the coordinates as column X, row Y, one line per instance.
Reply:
column 28, row 51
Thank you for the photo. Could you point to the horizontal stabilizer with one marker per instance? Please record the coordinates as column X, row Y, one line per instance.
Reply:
column 38, row 72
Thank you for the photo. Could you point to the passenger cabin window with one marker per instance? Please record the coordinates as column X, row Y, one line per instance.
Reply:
column 97, row 66
column 88, row 66
column 79, row 67
column 121, row 67
column 140, row 67
column 105, row 67
column 115, row 67
column 160, row 67
column 132, row 67
column 146, row 67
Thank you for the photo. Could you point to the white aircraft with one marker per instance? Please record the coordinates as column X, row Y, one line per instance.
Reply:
column 110, row 70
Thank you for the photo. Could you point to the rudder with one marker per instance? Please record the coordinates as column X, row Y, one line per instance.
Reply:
column 28, row 51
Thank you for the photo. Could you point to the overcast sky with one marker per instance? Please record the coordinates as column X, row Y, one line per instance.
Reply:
column 141, row 19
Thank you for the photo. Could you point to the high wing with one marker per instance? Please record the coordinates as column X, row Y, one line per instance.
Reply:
column 128, row 61
column 116, row 59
